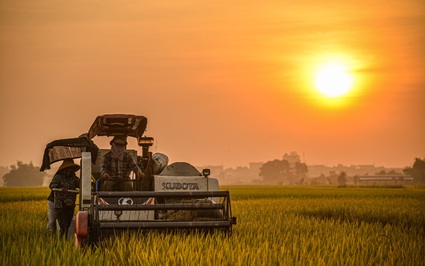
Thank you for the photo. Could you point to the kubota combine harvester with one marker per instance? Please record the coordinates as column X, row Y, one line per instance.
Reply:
column 171, row 197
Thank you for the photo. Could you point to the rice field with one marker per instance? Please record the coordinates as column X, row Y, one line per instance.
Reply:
column 276, row 226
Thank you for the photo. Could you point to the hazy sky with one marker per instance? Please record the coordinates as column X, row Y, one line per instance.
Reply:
column 221, row 82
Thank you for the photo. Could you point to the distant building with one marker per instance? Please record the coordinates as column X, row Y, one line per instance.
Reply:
column 255, row 167
column 292, row 158
column 383, row 180
column 353, row 170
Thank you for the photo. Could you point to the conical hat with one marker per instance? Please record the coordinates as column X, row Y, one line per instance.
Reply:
column 69, row 163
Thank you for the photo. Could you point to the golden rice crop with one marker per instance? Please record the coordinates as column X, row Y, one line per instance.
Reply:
column 276, row 226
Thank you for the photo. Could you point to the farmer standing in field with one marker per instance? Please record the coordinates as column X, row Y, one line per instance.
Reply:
column 117, row 166
column 64, row 201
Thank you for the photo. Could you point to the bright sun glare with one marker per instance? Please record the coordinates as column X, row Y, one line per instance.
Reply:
column 333, row 80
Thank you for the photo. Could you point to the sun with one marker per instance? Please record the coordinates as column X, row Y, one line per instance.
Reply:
column 333, row 80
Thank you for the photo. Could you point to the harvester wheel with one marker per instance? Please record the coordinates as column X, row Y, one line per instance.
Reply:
column 81, row 224
column 79, row 241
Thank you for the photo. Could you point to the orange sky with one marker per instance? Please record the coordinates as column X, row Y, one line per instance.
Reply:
column 221, row 82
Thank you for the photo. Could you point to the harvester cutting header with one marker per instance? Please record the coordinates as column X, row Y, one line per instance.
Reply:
column 156, row 196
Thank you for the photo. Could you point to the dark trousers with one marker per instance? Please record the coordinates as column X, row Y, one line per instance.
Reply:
column 117, row 185
column 64, row 216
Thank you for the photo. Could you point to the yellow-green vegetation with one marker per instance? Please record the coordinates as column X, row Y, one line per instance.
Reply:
column 276, row 226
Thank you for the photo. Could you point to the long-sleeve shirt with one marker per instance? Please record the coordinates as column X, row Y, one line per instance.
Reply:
column 118, row 169
column 63, row 181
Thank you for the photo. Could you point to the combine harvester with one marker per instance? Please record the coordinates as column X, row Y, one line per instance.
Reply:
column 175, row 197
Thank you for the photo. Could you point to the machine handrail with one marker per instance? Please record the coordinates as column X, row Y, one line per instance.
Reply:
column 157, row 194
column 69, row 190
column 166, row 206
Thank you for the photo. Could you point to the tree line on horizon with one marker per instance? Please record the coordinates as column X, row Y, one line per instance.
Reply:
column 281, row 172
column 23, row 175
column 275, row 171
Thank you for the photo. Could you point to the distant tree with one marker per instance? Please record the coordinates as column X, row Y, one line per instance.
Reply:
column 23, row 175
column 3, row 171
column 301, row 170
column 275, row 171
column 389, row 172
column 342, row 179
column 417, row 171
column 394, row 172
column 332, row 178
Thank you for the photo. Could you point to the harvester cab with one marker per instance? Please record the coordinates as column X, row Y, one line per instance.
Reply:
column 170, row 197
